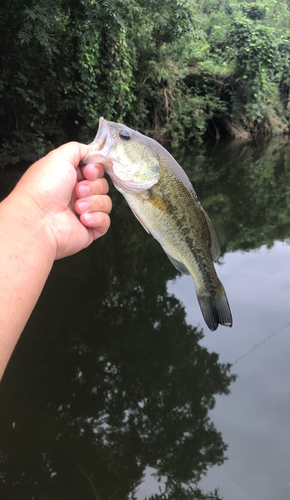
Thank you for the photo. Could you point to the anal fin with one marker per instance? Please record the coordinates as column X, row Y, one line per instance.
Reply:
column 179, row 265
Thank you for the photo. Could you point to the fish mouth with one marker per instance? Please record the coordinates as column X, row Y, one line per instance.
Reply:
column 100, row 147
column 100, row 138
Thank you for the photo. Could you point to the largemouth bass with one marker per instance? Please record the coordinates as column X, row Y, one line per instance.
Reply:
column 164, row 201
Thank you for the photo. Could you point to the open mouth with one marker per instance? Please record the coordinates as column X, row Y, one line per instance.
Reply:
column 100, row 139
column 100, row 147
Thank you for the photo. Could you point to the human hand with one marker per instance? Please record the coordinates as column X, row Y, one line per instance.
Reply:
column 57, row 189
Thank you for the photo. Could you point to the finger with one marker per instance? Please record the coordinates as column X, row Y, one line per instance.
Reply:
column 73, row 152
column 93, row 204
column 92, row 171
column 84, row 189
column 99, row 222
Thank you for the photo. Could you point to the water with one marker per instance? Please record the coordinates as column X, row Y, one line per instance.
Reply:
column 117, row 377
column 254, row 419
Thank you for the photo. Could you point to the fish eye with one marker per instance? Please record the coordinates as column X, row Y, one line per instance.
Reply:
column 125, row 135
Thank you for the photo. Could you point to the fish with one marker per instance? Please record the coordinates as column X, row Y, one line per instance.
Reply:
column 162, row 198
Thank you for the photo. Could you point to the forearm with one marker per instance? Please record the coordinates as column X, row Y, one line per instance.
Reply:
column 26, row 259
column 38, row 224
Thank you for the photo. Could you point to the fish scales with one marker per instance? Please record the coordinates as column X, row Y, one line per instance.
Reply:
column 163, row 199
column 193, row 239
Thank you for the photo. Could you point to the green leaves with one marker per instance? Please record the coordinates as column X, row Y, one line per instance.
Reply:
column 178, row 68
column 257, row 64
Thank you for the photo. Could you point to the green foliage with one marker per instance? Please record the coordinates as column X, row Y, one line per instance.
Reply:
column 68, row 62
column 178, row 69
column 257, row 61
column 105, row 84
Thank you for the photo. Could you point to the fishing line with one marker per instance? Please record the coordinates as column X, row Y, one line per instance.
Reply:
column 255, row 346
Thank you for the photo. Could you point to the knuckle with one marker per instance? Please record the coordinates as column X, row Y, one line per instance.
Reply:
column 104, row 203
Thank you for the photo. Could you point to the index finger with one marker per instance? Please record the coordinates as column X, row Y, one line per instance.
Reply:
column 73, row 152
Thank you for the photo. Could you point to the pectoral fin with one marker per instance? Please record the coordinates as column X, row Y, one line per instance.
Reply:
column 158, row 201
column 141, row 222
column 215, row 246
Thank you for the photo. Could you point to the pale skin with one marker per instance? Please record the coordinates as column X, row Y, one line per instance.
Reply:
column 56, row 210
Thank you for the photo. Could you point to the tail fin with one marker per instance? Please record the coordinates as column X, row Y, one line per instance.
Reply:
column 215, row 309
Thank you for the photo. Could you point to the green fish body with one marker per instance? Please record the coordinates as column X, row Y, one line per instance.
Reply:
column 162, row 198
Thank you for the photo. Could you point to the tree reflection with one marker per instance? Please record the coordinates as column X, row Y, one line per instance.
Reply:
column 177, row 493
column 245, row 187
column 108, row 379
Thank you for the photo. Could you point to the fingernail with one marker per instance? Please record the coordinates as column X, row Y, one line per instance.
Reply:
column 84, row 190
column 84, row 206
column 88, row 217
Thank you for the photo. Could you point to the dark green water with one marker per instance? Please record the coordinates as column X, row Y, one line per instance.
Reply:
column 116, row 375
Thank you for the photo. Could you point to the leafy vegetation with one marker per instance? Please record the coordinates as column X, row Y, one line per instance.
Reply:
column 178, row 69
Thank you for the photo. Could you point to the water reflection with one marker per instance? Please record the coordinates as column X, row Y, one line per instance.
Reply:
column 110, row 377
column 246, row 190
column 254, row 419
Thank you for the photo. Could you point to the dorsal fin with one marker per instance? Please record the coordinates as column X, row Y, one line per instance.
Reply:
column 215, row 246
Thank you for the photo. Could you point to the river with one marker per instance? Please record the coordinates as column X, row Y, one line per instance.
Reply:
column 118, row 390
